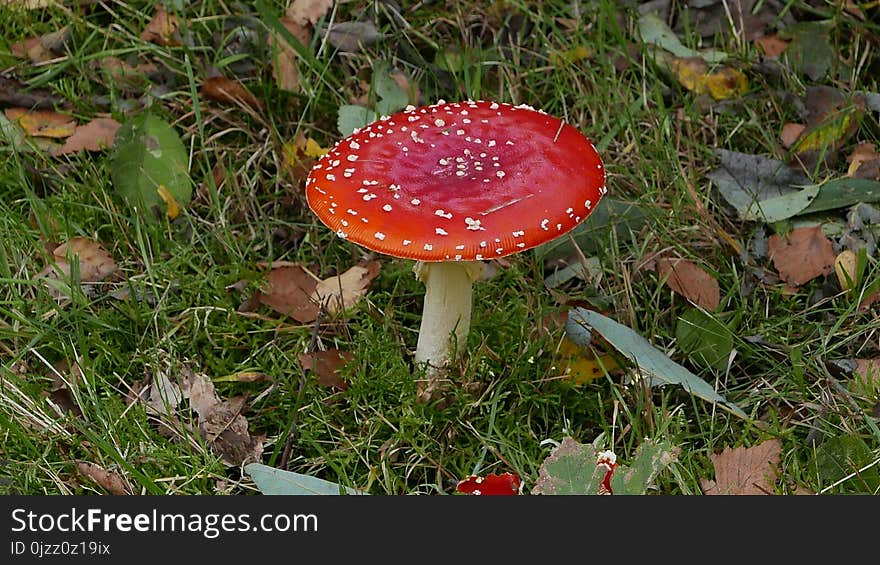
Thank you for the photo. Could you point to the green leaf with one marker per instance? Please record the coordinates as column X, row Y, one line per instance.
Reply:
column 810, row 50
column 150, row 167
column 844, row 192
column 655, row 31
column 392, row 98
column 649, row 459
column 571, row 469
column 651, row 361
column 782, row 207
column 841, row 456
column 704, row 338
column 276, row 481
column 352, row 117
column 591, row 236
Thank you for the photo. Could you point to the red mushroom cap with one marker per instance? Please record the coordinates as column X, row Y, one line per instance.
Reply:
column 457, row 182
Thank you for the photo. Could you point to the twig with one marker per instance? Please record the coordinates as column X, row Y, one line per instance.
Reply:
column 291, row 432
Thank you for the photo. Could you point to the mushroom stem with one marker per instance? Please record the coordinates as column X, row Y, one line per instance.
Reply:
column 446, row 316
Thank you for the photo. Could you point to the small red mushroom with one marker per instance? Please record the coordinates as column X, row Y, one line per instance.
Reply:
column 452, row 184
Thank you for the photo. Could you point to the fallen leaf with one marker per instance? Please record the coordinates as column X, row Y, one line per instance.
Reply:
column 307, row 11
column 790, row 133
column 42, row 123
column 29, row 4
column 772, row 45
column 94, row 262
column 864, row 162
column 96, row 135
column 845, row 266
column 867, row 372
column 351, row 37
column 108, row 480
column 721, row 83
column 344, row 291
column 327, row 366
column 687, row 279
column 810, row 51
column 573, row 468
column 124, row 76
column 278, row 482
column 289, row 291
column 653, row 30
column 801, row 256
column 655, row 367
column 16, row 93
column 490, row 485
column 750, row 183
column 43, row 48
column 580, row 366
column 745, row 470
column 162, row 29
column 284, row 65
column 228, row 91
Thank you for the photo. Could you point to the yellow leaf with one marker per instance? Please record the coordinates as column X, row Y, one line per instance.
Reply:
column 573, row 55
column 845, row 268
column 580, row 367
column 693, row 74
column 173, row 208
column 312, row 149
column 726, row 83
column 42, row 123
column 829, row 133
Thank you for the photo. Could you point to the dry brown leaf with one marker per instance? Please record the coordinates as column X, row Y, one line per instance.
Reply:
column 162, row 29
column 694, row 74
column 93, row 136
column 327, row 365
column 108, row 480
column 284, row 66
column 867, row 372
column 772, row 45
column 690, row 281
column 95, row 263
column 42, row 123
column 289, row 291
column 801, row 256
column 864, row 162
column 220, row 422
column 745, row 470
column 228, row 91
column 790, row 133
column 307, row 11
column 343, row 291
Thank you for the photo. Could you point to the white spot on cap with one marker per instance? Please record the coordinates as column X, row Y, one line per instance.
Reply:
column 520, row 245
column 443, row 214
column 352, row 212
column 394, row 187
column 415, row 201
column 406, row 242
column 460, row 173
column 331, row 177
column 500, row 174
column 369, row 196
column 458, row 257
column 459, row 247
column 341, row 234
column 439, row 123
column 459, row 132
column 569, row 210
column 500, row 250
column 493, row 106
column 440, row 231
column 352, row 157
column 379, row 235
column 491, row 143
column 354, row 145
column 478, row 257
column 588, row 204
column 473, row 224
column 544, row 223
column 387, row 207
column 482, row 244
column 428, row 247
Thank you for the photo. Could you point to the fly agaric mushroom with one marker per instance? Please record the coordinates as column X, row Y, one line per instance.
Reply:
column 450, row 185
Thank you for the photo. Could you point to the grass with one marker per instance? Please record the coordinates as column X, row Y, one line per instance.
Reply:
column 655, row 138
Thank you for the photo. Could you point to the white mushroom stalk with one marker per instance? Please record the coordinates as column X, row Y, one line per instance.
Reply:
column 446, row 315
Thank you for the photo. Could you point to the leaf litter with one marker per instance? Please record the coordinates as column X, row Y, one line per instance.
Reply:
column 219, row 422
column 745, row 470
